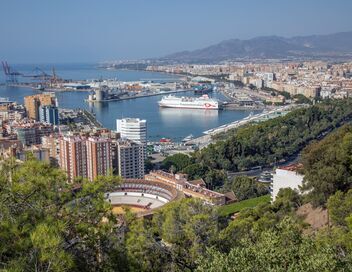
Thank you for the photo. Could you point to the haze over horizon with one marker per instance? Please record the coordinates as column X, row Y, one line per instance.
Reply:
column 91, row 31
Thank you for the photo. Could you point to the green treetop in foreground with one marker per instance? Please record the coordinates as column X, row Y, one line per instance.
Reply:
column 280, row 249
column 45, row 226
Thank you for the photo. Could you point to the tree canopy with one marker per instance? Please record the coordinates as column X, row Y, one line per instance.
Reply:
column 245, row 187
column 271, row 141
column 328, row 166
column 283, row 248
column 177, row 161
column 47, row 225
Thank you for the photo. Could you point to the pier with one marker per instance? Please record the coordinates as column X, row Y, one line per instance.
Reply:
column 140, row 96
column 92, row 119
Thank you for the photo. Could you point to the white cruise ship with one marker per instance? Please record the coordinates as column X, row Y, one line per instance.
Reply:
column 203, row 102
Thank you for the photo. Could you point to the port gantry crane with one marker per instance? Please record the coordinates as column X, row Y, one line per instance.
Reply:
column 10, row 74
column 37, row 75
column 54, row 78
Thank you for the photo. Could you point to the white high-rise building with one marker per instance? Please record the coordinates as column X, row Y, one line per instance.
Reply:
column 133, row 129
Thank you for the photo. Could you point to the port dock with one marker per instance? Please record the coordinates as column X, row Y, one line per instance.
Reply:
column 138, row 96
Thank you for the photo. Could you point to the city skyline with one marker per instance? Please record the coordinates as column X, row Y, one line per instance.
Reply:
column 88, row 31
column 189, row 135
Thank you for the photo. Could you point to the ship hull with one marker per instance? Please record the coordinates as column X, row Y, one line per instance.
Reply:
column 189, row 107
column 204, row 103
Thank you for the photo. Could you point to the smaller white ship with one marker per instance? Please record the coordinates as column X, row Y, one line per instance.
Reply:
column 5, row 100
column 188, row 138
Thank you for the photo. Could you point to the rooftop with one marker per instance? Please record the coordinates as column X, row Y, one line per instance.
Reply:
column 132, row 120
column 292, row 167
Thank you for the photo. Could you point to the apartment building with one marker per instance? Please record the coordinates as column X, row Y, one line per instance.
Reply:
column 73, row 156
column 99, row 157
column 85, row 157
column 49, row 114
column 128, row 158
column 32, row 104
column 31, row 133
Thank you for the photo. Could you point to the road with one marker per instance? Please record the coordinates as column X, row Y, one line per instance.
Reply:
column 258, row 171
column 92, row 119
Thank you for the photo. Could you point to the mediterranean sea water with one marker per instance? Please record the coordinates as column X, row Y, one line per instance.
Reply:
column 169, row 123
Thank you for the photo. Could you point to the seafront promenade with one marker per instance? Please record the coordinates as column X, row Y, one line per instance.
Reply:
column 206, row 139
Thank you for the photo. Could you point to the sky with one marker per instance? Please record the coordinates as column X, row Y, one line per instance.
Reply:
column 76, row 31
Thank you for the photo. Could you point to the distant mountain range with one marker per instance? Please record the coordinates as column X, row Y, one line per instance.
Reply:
column 337, row 45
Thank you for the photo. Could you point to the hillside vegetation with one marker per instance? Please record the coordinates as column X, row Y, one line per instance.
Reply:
column 263, row 144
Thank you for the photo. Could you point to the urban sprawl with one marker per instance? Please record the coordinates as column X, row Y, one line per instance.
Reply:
column 77, row 143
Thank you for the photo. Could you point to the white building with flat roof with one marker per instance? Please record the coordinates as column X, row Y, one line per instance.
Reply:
column 286, row 177
column 133, row 129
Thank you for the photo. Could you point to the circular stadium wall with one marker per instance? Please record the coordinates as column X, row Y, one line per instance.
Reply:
column 141, row 196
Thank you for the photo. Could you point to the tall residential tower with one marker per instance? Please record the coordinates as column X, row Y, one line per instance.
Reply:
column 85, row 157
column 73, row 156
column 128, row 158
column 99, row 157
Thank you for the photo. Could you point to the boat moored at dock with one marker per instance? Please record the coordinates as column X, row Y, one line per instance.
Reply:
column 203, row 102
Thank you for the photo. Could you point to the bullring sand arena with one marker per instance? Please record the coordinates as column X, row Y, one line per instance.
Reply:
column 141, row 196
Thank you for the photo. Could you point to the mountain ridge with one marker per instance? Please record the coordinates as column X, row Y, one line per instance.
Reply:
column 328, row 45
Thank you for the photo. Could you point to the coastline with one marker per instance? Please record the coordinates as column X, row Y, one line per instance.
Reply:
column 151, row 71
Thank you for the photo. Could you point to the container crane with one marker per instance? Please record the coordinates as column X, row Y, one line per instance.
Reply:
column 10, row 74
